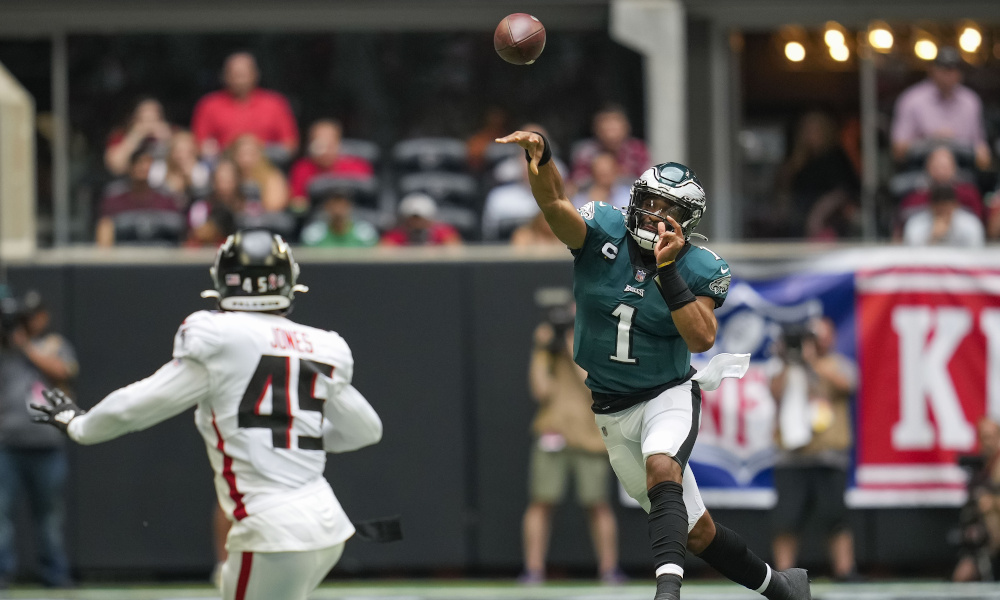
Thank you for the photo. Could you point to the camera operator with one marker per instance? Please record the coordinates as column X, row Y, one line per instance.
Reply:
column 813, row 385
column 566, row 441
column 32, row 458
column 979, row 528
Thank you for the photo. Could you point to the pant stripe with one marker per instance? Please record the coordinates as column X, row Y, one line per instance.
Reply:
column 246, row 562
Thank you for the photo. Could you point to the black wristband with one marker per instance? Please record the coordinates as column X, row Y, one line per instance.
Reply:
column 673, row 288
column 546, row 151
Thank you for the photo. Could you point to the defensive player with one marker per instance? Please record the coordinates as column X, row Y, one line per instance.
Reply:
column 272, row 398
column 645, row 301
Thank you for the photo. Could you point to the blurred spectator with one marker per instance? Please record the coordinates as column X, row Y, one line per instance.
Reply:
column 222, row 116
column 509, row 205
column 212, row 219
column 146, row 126
column 535, row 232
column 944, row 222
column 339, row 229
column 181, row 173
column 566, row 442
column 32, row 458
column 979, row 531
column 817, row 186
column 812, row 384
column 494, row 126
column 940, row 108
column 139, row 196
column 612, row 133
column 324, row 159
column 258, row 175
column 941, row 170
column 604, row 184
column 417, row 226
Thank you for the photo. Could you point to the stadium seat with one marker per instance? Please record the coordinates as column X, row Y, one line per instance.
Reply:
column 281, row 223
column 453, row 189
column 365, row 192
column 365, row 149
column 149, row 228
column 465, row 220
column 495, row 153
column 430, row 154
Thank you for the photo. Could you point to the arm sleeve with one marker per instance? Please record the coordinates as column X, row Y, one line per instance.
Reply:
column 177, row 386
column 351, row 423
column 710, row 277
column 601, row 220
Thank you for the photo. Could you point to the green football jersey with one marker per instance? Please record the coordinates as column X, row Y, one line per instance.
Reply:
column 625, row 337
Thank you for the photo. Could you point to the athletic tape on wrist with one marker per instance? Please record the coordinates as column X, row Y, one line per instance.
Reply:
column 546, row 151
column 673, row 288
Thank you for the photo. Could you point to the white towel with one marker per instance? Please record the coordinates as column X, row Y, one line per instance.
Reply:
column 794, row 416
column 720, row 367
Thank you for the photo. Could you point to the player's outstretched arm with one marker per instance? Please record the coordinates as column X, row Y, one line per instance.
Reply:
column 351, row 423
column 547, row 188
column 177, row 386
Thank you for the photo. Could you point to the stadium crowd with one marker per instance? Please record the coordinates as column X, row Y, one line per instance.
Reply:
column 241, row 164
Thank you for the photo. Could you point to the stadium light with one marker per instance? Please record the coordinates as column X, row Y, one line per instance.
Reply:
column 925, row 49
column 834, row 34
column 795, row 52
column 970, row 39
column 880, row 37
column 840, row 53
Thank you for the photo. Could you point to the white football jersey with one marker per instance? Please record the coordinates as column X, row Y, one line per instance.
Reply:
column 272, row 398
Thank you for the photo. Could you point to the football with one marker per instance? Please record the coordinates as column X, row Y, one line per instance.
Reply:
column 519, row 39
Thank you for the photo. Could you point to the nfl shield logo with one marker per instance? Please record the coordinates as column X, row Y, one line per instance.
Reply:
column 640, row 275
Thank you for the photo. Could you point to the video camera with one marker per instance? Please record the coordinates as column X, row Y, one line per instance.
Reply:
column 793, row 336
column 557, row 304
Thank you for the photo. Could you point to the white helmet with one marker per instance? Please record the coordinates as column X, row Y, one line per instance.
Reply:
column 675, row 183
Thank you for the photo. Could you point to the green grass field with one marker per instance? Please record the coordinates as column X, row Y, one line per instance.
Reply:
column 465, row 590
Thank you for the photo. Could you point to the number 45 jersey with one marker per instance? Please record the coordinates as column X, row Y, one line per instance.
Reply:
column 625, row 337
column 271, row 413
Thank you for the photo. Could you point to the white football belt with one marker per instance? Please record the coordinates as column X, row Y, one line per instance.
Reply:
column 722, row 366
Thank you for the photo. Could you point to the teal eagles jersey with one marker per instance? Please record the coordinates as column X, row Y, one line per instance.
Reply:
column 625, row 337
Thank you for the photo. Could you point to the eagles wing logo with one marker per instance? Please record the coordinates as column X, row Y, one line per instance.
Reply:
column 587, row 211
column 721, row 285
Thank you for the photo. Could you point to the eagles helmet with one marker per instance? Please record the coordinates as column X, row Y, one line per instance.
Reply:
column 254, row 271
column 675, row 183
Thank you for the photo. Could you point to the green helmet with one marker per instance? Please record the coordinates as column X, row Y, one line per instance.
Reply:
column 678, row 185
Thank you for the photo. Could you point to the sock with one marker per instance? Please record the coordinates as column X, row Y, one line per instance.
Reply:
column 668, row 528
column 729, row 555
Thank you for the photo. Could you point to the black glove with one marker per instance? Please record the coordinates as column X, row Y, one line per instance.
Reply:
column 60, row 410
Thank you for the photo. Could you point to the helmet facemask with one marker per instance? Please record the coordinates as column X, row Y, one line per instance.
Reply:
column 679, row 188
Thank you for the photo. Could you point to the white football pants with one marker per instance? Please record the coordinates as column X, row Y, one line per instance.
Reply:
column 276, row 575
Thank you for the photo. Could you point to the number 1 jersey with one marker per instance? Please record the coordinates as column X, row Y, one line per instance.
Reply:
column 625, row 337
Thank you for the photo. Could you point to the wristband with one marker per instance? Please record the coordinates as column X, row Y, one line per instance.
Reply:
column 664, row 264
column 673, row 288
column 546, row 151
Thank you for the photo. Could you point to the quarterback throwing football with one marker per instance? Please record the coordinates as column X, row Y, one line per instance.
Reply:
column 272, row 398
column 645, row 301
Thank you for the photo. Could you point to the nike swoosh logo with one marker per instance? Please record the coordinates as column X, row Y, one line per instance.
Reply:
column 725, row 270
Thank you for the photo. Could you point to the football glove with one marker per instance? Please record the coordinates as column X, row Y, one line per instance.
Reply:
column 59, row 411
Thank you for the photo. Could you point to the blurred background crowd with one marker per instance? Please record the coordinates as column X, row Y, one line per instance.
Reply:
column 181, row 139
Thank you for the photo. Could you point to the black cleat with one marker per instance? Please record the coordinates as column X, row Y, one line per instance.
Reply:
column 668, row 587
column 796, row 584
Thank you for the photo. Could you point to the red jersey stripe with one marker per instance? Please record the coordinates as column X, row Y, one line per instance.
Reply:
column 240, row 512
column 246, row 561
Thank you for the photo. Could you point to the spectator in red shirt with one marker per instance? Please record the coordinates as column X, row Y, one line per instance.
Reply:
column 146, row 125
column 324, row 159
column 138, row 196
column 220, row 117
column 417, row 226
column 612, row 133
column 941, row 170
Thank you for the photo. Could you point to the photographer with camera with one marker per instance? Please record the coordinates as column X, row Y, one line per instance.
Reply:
column 978, row 533
column 813, row 384
column 566, row 441
column 32, row 458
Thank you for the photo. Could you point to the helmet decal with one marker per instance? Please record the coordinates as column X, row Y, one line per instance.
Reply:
column 254, row 271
